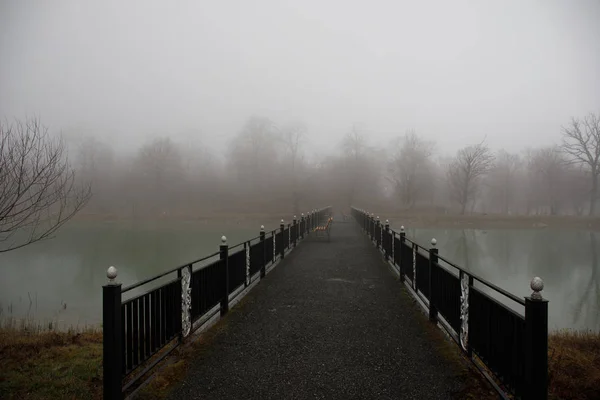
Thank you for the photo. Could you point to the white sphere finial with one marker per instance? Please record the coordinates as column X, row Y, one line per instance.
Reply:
column 402, row 228
column 433, row 242
column 111, row 273
column 387, row 221
column 224, row 239
column 302, row 215
column 378, row 218
column 537, row 285
column 282, row 221
column 262, row 227
column 294, row 217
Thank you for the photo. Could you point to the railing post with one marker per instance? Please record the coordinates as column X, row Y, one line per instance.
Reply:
column 433, row 259
column 302, row 226
column 378, row 232
column 281, row 229
column 295, row 227
column 264, row 252
column 536, row 343
column 402, row 251
column 387, row 233
column 247, row 269
column 224, row 255
column 112, row 332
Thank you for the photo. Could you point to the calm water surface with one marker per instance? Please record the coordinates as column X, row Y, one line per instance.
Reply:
column 567, row 261
column 60, row 280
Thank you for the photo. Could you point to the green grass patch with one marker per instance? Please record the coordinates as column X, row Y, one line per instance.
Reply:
column 50, row 365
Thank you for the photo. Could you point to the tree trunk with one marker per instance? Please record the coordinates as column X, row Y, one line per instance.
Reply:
column 593, row 194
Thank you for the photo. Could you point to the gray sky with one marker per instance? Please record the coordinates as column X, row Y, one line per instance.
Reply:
column 455, row 71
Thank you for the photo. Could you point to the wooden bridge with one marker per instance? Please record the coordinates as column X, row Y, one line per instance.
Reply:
column 325, row 318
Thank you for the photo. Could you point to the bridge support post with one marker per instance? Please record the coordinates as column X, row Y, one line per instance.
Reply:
column 302, row 226
column 433, row 259
column 402, row 251
column 536, row 343
column 224, row 255
column 264, row 255
column 112, row 332
column 281, row 229
column 295, row 230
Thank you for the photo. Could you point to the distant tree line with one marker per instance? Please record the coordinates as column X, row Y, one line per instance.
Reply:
column 271, row 168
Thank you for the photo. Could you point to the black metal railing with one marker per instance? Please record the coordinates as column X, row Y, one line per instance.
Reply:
column 505, row 336
column 144, row 322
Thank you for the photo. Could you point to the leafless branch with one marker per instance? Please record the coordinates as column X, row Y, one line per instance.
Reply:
column 581, row 142
column 38, row 191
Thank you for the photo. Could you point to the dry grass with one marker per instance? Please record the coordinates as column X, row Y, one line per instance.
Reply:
column 50, row 365
column 574, row 365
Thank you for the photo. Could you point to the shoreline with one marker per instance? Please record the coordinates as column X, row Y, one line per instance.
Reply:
column 408, row 220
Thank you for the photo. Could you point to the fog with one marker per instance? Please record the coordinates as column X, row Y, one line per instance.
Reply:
column 116, row 78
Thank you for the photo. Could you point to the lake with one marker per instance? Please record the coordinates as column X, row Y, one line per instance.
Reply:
column 60, row 280
column 567, row 261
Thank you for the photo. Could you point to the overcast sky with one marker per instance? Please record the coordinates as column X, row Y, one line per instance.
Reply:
column 455, row 71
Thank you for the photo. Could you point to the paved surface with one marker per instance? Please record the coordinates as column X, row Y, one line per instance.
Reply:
column 329, row 322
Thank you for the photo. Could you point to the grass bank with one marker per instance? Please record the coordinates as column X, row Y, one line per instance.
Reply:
column 492, row 221
column 412, row 219
column 574, row 365
column 68, row 365
column 50, row 365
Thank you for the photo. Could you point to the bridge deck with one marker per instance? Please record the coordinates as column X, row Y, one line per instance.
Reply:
column 329, row 322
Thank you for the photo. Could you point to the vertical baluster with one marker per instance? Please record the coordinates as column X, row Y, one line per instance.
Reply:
column 135, row 334
column 163, row 315
column 155, row 313
column 142, row 329
column 129, row 336
column 147, row 334
column 123, row 341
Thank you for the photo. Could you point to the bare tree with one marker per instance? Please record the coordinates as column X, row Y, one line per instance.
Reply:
column 159, row 169
column 410, row 168
column 354, row 143
column 38, row 191
column 292, row 136
column 354, row 147
column 466, row 171
column 502, row 179
column 581, row 141
column 546, row 178
column 253, row 152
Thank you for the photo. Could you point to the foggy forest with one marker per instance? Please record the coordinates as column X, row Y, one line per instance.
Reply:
column 155, row 156
column 99, row 128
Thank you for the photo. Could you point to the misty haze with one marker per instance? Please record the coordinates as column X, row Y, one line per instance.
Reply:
column 136, row 134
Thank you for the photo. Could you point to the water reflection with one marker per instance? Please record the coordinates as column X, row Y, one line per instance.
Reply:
column 590, row 295
column 63, row 277
column 566, row 260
